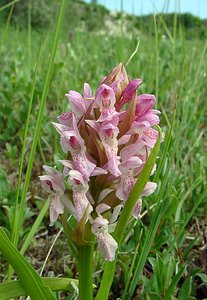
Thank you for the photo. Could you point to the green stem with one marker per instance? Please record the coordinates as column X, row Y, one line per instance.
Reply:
column 85, row 269
column 68, row 231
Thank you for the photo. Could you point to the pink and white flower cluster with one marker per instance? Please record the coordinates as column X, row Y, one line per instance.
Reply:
column 107, row 138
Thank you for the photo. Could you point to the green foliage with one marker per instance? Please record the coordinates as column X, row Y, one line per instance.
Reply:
column 193, row 26
column 30, row 280
column 40, row 13
column 4, row 186
column 14, row 289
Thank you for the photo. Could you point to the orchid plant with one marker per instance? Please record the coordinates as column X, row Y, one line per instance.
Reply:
column 107, row 138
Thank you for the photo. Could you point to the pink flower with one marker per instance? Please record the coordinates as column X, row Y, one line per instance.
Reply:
column 106, row 242
column 107, row 139
column 105, row 100
column 127, row 181
column 87, row 91
column 144, row 103
column 108, row 134
column 71, row 141
column 66, row 118
column 53, row 183
column 137, row 209
column 77, row 103
column 80, row 189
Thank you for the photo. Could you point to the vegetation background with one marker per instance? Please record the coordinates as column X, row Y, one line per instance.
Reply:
column 165, row 252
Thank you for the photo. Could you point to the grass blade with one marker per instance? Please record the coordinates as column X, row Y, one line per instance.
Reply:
column 146, row 249
column 29, row 278
column 132, row 264
column 14, row 289
column 174, row 282
column 8, row 5
column 35, row 227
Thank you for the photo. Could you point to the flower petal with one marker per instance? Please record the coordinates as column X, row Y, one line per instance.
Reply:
column 150, row 117
column 99, row 225
column 105, row 97
column 81, row 203
column 137, row 209
column 68, row 204
column 132, row 150
column 149, row 188
column 83, row 165
column 77, row 181
column 125, row 187
column 129, row 92
column 56, row 208
column 66, row 118
column 77, row 103
column 107, row 245
column 60, row 127
column 87, row 90
column 102, row 207
column 144, row 103
column 115, row 213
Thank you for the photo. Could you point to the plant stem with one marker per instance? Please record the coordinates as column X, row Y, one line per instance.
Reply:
column 85, row 269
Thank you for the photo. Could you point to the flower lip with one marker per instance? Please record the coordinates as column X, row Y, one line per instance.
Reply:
column 49, row 183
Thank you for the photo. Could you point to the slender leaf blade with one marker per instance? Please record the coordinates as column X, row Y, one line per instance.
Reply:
column 14, row 289
column 29, row 278
column 35, row 227
column 171, row 288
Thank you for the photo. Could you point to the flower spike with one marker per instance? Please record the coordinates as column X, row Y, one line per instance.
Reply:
column 107, row 137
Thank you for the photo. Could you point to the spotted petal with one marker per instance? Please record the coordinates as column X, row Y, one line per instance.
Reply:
column 56, row 208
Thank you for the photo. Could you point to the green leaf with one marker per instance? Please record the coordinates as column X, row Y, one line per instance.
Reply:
column 30, row 280
column 195, row 184
column 168, row 271
column 4, row 186
column 8, row 5
column 35, row 227
column 14, row 289
column 171, row 288
column 185, row 290
column 203, row 277
column 154, row 296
